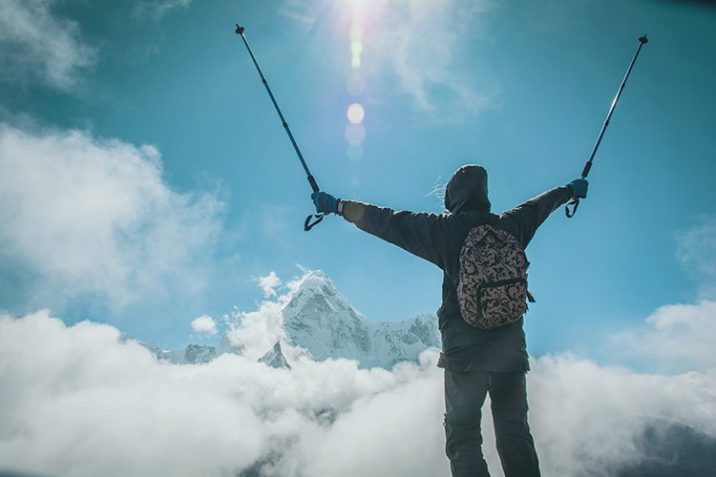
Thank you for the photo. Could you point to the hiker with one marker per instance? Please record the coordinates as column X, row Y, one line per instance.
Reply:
column 476, row 361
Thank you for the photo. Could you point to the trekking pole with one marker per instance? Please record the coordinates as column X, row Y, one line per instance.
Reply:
column 308, row 224
column 588, row 166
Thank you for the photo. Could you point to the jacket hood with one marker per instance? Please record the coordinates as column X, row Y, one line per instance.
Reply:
column 467, row 190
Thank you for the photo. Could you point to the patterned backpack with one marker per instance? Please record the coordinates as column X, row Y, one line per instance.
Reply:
column 492, row 286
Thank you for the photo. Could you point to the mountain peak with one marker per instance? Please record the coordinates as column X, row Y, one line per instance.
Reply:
column 321, row 320
column 315, row 294
column 275, row 358
column 316, row 280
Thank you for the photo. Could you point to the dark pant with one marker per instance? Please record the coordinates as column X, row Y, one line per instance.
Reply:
column 464, row 396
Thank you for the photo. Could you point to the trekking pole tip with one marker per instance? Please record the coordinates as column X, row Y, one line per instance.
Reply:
column 239, row 29
column 643, row 40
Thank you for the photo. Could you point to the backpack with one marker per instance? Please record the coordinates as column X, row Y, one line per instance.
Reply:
column 492, row 284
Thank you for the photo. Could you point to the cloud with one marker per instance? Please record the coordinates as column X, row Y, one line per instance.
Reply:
column 76, row 399
column 590, row 420
column 82, row 403
column 298, row 11
column 268, row 284
column 696, row 250
column 204, row 324
column 680, row 337
column 674, row 338
column 257, row 331
column 92, row 217
column 415, row 47
column 423, row 45
column 156, row 9
column 37, row 46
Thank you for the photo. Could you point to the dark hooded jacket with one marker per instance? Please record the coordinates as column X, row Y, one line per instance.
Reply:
column 438, row 238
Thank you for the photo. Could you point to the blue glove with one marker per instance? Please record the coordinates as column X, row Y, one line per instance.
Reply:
column 579, row 188
column 325, row 203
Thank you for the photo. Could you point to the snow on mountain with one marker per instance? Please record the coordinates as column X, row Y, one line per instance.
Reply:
column 192, row 354
column 319, row 319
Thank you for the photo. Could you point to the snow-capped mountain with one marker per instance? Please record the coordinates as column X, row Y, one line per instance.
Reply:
column 192, row 354
column 319, row 319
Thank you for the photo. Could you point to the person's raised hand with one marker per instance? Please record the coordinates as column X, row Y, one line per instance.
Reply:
column 579, row 188
column 325, row 203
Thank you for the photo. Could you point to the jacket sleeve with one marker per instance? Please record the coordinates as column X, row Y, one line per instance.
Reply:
column 421, row 234
column 530, row 215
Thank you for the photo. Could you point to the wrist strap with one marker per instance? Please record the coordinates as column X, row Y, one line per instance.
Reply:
column 339, row 207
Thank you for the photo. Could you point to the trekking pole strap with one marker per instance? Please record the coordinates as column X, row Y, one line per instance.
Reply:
column 574, row 204
column 308, row 225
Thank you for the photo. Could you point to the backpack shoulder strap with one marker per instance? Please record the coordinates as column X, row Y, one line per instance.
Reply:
column 489, row 219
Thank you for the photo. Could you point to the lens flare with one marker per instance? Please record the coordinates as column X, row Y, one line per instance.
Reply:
column 356, row 85
column 356, row 47
column 355, row 133
column 357, row 6
column 355, row 152
column 355, row 113
column 356, row 32
column 355, row 130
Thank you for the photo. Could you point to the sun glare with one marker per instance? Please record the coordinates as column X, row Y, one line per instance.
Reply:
column 355, row 113
column 355, row 133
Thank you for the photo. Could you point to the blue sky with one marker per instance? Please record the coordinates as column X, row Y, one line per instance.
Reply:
column 217, row 197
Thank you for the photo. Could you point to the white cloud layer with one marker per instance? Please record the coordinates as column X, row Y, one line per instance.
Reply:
column 204, row 324
column 37, row 46
column 80, row 401
column 85, row 216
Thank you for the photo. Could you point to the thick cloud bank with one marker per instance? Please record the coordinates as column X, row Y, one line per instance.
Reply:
column 81, row 401
column 85, row 216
